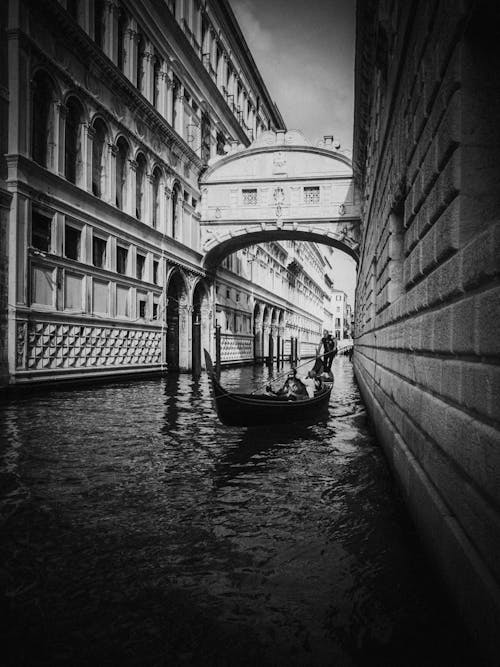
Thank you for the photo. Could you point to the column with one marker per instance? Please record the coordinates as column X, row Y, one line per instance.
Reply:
column 169, row 104
column 130, row 47
column 148, row 200
column 89, row 134
column 129, row 205
column 166, row 221
column 111, row 180
column 185, row 323
column 179, row 120
column 162, row 212
column 148, row 77
column 162, row 91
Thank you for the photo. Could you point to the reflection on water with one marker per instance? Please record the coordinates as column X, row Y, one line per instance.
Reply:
column 139, row 530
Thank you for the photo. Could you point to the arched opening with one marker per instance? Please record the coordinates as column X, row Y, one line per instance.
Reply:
column 141, row 49
column 156, row 82
column 175, row 292
column 140, row 176
column 99, row 7
column 156, row 196
column 200, row 326
column 121, row 32
column 41, row 128
column 98, row 158
column 72, row 141
column 175, row 210
column 122, row 151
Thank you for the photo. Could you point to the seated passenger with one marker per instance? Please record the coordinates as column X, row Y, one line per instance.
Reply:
column 293, row 389
column 312, row 383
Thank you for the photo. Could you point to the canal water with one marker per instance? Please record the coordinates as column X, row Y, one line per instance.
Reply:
column 137, row 530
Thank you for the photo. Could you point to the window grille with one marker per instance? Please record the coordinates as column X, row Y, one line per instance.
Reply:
column 311, row 195
column 250, row 197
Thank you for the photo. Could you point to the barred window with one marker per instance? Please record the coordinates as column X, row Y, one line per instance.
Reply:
column 250, row 197
column 311, row 195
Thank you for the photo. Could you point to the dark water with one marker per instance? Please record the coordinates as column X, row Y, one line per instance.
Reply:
column 137, row 530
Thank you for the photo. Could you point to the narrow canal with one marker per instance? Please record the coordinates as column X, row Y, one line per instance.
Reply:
column 137, row 530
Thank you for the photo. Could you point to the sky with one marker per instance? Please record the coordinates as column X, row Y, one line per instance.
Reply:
column 304, row 50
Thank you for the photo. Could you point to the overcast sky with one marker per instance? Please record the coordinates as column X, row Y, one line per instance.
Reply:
column 305, row 53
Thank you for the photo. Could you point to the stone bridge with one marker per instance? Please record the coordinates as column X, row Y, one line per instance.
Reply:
column 281, row 187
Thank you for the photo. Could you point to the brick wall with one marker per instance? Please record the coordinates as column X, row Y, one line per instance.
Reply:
column 427, row 141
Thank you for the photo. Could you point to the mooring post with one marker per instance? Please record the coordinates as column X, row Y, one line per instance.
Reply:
column 271, row 351
column 278, row 351
column 217, row 349
column 196, row 342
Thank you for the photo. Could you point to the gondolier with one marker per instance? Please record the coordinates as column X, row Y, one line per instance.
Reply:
column 329, row 345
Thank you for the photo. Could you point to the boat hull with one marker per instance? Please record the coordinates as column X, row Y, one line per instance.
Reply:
column 260, row 410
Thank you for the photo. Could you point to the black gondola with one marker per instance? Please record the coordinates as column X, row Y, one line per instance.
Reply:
column 261, row 409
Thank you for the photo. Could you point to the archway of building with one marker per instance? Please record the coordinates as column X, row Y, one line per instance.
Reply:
column 200, row 326
column 176, row 324
column 217, row 253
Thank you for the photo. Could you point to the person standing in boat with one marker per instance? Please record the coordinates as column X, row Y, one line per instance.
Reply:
column 329, row 345
column 293, row 389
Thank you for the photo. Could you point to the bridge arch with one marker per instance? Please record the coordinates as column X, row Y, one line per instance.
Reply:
column 281, row 187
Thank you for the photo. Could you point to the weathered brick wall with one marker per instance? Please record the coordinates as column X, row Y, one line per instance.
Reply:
column 427, row 146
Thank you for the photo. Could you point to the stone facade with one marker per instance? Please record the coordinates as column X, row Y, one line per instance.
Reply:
column 114, row 111
column 427, row 140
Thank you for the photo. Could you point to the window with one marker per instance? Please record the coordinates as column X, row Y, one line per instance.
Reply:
column 99, row 252
column 41, row 118
column 155, row 310
column 121, row 171
column 156, row 82
column 99, row 23
column 250, row 197
column 122, row 28
column 100, row 292
column 140, row 61
column 98, row 155
column 73, row 292
column 175, row 211
column 41, row 233
column 311, row 195
column 205, row 139
column 141, row 305
column 121, row 259
column 72, row 140
column 156, row 196
column 156, row 267
column 221, row 142
column 139, row 187
column 339, row 297
column 141, row 263
column 122, row 301
column 72, row 238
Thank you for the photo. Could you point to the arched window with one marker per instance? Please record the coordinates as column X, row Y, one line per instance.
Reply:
column 156, row 196
column 98, row 158
column 156, row 82
column 41, row 130
column 175, row 210
column 121, row 171
column 205, row 138
column 141, row 48
column 139, row 186
column 99, row 7
column 72, row 140
column 122, row 30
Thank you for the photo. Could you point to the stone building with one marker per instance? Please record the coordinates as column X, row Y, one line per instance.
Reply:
column 427, row 140
column 114, row 110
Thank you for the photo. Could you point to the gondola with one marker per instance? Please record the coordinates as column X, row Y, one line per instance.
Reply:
column 261, row 409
